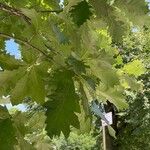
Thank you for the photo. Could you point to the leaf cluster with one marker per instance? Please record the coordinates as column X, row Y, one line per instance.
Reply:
column 67, row 55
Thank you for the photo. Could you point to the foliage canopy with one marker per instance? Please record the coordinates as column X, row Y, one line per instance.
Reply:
column 67, row 58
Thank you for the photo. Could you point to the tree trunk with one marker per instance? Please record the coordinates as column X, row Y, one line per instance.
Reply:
column 109, row 140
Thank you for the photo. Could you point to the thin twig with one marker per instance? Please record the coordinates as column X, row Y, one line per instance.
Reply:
column 14, row 11
column 50, row 11
column 24, row 42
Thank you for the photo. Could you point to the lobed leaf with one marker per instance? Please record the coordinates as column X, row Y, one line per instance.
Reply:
column 62, row 105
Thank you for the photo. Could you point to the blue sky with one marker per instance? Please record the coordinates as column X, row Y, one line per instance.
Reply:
column 13, row 48
column 20, row 107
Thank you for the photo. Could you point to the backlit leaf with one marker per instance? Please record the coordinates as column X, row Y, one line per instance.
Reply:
column 135, row 68
column 81, row 12
column 62, row 105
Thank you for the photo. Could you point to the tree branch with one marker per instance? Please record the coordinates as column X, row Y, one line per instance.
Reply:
column 24, row 42
column 29, row 45
column 14, row 11
column 50, row 11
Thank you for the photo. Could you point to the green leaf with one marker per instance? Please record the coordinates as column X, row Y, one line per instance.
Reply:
column 4, row 113
column 130, row 82
column 102, row 69
column 85, row 115
column 62, row 104
column 133, row 9
column 91, row 80
column 33, row 15
column 37, row 85
column 112, row 132
column 118, row 24
column 110, row 2
column 21, row 130
column 9, row 62
column 8, row 80
column 78, row 15
column 135, row 68
column 78, row 66
column 28, row 55
column 24, row 145
column 30, row 85
column 85, row 122
column 119, row 15
column 84, row 101
column 36, row 121
column 62, row 38
column 114, row 95
column 7, row 134
column 20, row 91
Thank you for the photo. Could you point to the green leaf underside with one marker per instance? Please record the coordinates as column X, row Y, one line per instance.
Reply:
column 9, row 62
column 7, row 134
column 81, row 12
column 135, row 68
column 114, row 95
column 30, row 85
column 62, row 104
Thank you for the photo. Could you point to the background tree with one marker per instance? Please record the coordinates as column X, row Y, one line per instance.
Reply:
column 133, row 125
